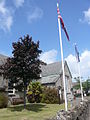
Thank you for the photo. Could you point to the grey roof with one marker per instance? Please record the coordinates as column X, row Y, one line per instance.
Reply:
column 51, row 69
column 51, row 72
column 49, row 79
column 2, row 59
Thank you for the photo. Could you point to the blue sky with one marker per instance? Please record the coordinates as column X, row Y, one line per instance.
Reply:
column 38, row 18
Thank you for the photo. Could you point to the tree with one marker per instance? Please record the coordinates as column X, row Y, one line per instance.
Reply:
column 86, row 86
column 34, row 92
column 77, row 86
column 24, row 66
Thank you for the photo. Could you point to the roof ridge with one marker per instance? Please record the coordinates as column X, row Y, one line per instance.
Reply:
column 54, row 62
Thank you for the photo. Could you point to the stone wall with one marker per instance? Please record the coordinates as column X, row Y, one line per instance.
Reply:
column 80, row 112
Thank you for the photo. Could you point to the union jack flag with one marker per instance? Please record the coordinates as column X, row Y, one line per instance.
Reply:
column 62, row 23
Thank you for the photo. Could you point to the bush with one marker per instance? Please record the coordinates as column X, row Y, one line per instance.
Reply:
column 50, row 95
column 3, row 100
column 34, row 92
column 77, row 95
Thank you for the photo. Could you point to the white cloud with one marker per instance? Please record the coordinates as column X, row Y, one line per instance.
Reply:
column 49, row 57
column 86, row 16
column 37, row 14
column 18, row 3
column 6, row 18
column 84, row 64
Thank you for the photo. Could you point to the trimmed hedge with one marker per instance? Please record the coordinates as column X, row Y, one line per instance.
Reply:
column 3, row 100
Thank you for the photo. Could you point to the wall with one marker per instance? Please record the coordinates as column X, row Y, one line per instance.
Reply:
column 80, row 112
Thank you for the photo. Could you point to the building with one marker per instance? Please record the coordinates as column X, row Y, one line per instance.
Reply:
column 3, row 82
column 52, row 76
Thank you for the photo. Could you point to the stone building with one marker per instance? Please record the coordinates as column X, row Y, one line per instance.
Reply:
column 3, row 82
column 52, row 76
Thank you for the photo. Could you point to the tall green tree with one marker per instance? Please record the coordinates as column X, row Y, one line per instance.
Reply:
column 24, row 66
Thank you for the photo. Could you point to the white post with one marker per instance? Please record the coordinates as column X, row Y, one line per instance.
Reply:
column 60, row 94
column 65, row 96
column 80, row 81
column 14, row 88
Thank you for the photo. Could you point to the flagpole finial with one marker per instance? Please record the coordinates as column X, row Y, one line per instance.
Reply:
column 57, row 4
column 75, row 44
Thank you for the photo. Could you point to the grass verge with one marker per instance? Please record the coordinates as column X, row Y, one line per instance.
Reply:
column 32, row 112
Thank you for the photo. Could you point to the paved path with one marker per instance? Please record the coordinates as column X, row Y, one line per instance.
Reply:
column 76, row 101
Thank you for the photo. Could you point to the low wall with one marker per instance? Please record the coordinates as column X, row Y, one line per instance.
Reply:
column 80, row 112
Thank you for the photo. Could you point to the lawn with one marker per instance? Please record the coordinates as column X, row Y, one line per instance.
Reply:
column 32, row 112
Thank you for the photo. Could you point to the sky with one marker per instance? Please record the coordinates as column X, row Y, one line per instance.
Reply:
column 39, row 19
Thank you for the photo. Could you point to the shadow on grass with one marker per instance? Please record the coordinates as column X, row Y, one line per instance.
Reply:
column 29, row 107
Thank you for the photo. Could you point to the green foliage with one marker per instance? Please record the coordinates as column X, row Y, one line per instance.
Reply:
column 32, row 112
column 50, row 95
column 86, row 86
column 34, row 92
column 3, row 100
column 77, row 86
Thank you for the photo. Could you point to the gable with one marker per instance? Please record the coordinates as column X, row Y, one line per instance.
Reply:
column 67, row 71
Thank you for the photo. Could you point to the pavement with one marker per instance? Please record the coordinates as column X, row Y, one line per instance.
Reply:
column 76, row 101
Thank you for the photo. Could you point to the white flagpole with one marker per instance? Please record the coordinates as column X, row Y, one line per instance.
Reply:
column 80, row 81
column 65, row 96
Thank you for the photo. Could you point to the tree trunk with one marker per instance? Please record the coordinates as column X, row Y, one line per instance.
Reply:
column 24, row 96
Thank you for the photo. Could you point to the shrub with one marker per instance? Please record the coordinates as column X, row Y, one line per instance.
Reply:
column 34, row 92
column 3, row 100
column 50, row 95
column 77, row 95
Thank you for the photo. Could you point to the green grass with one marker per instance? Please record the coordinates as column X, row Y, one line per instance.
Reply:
column 32, row 112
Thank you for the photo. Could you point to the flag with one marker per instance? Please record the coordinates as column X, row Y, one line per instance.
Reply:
column 77, row 54
column 62, row 23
